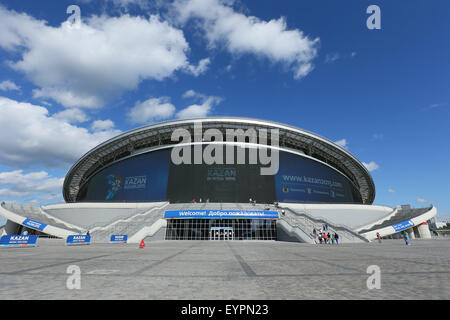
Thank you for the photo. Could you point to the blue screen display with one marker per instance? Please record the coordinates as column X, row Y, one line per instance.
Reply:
column 153, row 177
column 142, row 178
column 302, row 180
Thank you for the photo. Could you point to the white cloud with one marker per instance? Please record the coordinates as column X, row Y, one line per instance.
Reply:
column 151, row 109
column 342, row 143
column 198, row 110
column 161, row 108
column 30, row 136
column 125, row 4
column 371, row 166
column 19, row 184
column 72, row 115
column 331, row 57
column 200, row 68
column 8, row 85
column 434, row 106
column 99, row 125
column 241, row 34
column 190, row 94
column 391, row 190
column 195, row 111
column 421, row 200
column 87, row 66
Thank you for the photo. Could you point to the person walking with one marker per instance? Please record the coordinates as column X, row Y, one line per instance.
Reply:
column 329, row 238
column 336, row 237
column 325, row 238
column 406, row 236
column 379, row 237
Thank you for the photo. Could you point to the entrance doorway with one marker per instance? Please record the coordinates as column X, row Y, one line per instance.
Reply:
column 221, row 229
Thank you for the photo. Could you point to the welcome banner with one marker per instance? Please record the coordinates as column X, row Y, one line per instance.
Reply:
column 220, row 214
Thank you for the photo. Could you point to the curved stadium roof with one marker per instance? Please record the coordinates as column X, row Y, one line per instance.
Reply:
column 149, row 137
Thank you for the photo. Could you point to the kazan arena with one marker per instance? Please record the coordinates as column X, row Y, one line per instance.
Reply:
column 269, row 181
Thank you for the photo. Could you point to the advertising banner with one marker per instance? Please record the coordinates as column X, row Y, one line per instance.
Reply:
column 34, row 224
column 18, row 240
column 220, row 214
column 78, row 239
column 119, row 238
column 403, row 225
column 142, row 178
column 304, row 180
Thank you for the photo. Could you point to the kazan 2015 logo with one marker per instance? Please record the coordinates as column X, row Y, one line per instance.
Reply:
column 115, row 183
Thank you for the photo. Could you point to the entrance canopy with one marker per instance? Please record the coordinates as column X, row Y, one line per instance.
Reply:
column 220, row 214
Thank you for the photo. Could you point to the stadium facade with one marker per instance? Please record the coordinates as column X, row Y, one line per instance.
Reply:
column 219, row 178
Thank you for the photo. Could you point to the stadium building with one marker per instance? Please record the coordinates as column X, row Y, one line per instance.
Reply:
column 219, row 178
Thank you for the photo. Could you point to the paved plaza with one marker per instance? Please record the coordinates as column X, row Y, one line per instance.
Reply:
column 226, row 270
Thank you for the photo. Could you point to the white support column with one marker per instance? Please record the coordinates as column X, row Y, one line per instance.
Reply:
column 411, row 233
column 424, row 231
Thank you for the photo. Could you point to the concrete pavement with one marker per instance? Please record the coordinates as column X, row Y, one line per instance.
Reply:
column 203, row 270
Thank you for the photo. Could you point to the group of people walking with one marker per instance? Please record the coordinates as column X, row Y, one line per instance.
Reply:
column 321, row 236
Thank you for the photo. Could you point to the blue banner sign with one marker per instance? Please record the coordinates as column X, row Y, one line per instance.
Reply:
column 403, row 225
column 18, row 240
column 220, row 214
column 121, row 238
column 78, row 239
column 34, row 224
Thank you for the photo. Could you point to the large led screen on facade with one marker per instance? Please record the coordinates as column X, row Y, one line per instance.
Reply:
column 154, row 177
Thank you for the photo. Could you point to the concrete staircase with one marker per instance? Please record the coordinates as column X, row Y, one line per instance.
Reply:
column 129, row 226
column 308, row 223
column 39, row 215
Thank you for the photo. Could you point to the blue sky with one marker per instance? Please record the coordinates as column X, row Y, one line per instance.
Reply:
column 383, row 94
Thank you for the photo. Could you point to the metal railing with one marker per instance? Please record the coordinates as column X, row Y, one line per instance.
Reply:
column 128, row 226
column 308, row 221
